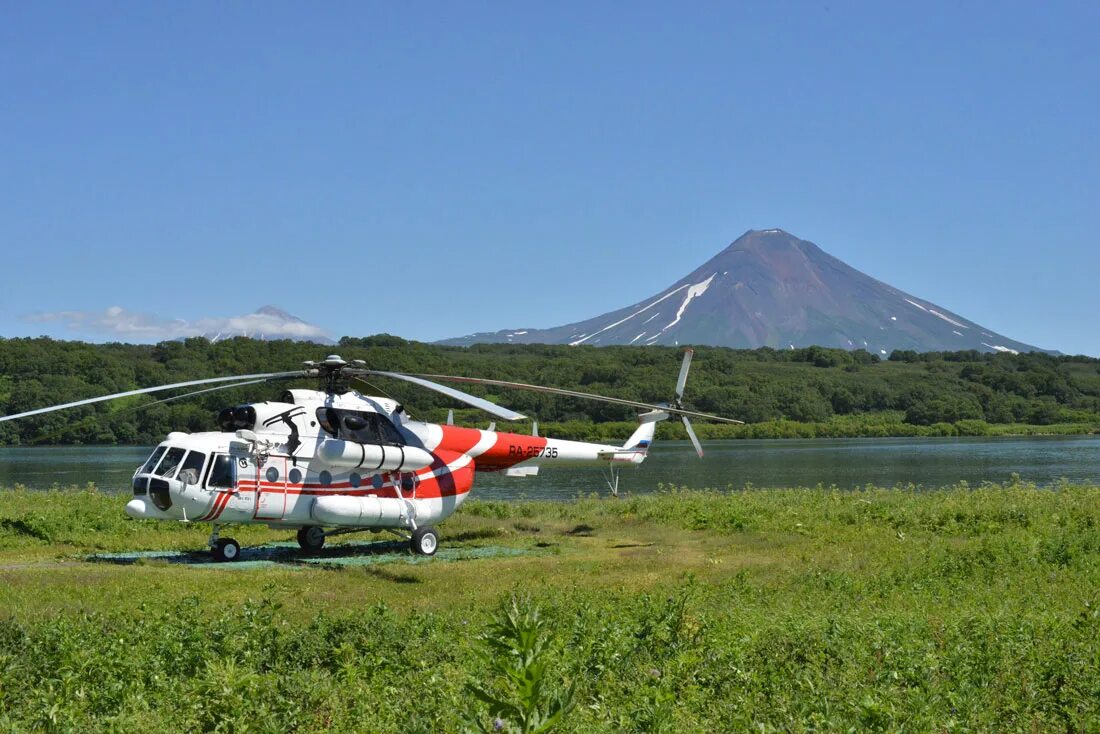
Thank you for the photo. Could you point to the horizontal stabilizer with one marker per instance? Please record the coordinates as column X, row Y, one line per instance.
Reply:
column 624, row 456
column 521, row 471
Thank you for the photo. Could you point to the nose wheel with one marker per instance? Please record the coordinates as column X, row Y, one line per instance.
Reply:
column 223, row 549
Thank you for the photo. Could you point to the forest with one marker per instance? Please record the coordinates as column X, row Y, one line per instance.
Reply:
column 808, row 392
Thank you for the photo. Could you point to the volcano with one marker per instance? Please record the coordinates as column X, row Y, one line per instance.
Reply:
column 266, row 323
column 771, row 289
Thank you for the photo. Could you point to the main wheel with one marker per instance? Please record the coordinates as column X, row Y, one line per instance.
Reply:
column 425, row 541
column 227, row 549
column 311, row 538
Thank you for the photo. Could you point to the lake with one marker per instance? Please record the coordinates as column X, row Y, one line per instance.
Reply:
column 847, row 463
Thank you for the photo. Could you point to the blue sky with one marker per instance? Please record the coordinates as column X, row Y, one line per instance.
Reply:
column 432, row 170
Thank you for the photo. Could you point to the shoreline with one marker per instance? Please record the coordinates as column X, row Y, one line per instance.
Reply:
column 778, row 430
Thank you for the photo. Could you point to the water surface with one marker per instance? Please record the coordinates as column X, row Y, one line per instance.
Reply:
column 846, row 463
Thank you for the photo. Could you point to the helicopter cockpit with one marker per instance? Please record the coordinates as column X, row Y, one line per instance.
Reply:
column 168, row 462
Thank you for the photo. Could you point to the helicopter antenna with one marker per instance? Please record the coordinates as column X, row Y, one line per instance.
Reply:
column 373, row 386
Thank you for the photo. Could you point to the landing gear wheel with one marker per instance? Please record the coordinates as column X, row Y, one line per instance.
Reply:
column 311, row 538
column 226, row 549
column 425, row 541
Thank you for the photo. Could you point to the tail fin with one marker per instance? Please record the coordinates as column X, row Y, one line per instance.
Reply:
column 643, row 436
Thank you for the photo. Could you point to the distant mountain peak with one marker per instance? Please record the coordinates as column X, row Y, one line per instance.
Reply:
column 268, row 323
column 771, row 288
column 276, row 312
column 767, row 235
column 762, row 239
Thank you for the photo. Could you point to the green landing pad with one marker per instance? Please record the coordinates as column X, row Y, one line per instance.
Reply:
column 289, row 555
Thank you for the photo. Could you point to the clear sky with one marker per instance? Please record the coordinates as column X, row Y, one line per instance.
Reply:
column 431, row 170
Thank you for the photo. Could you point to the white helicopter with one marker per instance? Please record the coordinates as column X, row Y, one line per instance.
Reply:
column 333, row 461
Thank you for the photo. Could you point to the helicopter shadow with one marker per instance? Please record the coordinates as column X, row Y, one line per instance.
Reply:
column 289, row 555
column 270, row 554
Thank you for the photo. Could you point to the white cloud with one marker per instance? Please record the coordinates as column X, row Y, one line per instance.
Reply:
column 126, row 325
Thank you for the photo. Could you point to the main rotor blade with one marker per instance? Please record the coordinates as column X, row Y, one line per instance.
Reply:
column 691, row 434
column 681, row 381
column 200, row 392
column 482, row 403
column 562, row 391
column 159, row 388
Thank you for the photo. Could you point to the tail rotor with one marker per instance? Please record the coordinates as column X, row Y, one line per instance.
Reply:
column 678, row 401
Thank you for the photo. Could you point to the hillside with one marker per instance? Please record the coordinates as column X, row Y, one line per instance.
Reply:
column 806, row 385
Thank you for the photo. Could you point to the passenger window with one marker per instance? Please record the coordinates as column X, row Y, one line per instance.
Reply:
column 223, row 472
column 192, row 467
column 170, row 463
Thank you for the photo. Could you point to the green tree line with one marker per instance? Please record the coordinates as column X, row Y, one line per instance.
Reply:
column 779, row 393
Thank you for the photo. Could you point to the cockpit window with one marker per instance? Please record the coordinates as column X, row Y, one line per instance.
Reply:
column 170, row 462
column 152, row 460
column 323, row 415
column 223, row 472
column 192, row 467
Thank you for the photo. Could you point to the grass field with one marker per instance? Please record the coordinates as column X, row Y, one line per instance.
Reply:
column 962, row 609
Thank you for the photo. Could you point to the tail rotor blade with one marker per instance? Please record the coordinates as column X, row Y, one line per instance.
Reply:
column 681, row 381
column 691, row 434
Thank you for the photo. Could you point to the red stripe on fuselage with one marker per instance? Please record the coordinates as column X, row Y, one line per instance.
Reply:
column 219, row 504
column 221, row 507
column 458, row 440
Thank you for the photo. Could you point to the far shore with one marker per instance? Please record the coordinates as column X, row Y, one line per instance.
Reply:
column 845, row 427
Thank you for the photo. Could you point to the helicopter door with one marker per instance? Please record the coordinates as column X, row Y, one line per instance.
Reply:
column 271, row 493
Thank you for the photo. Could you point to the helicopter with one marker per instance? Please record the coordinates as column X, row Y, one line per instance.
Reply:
column 333, row 461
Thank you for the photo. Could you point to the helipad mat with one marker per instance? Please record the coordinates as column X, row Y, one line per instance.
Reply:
column 289, row 555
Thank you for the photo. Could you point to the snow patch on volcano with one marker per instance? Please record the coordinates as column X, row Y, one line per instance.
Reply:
column 693, row 292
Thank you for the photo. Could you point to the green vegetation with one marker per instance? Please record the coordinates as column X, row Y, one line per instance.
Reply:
column 962, row 609
column 780, row 393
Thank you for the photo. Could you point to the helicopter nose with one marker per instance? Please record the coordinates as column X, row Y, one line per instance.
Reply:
column 137, row 509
